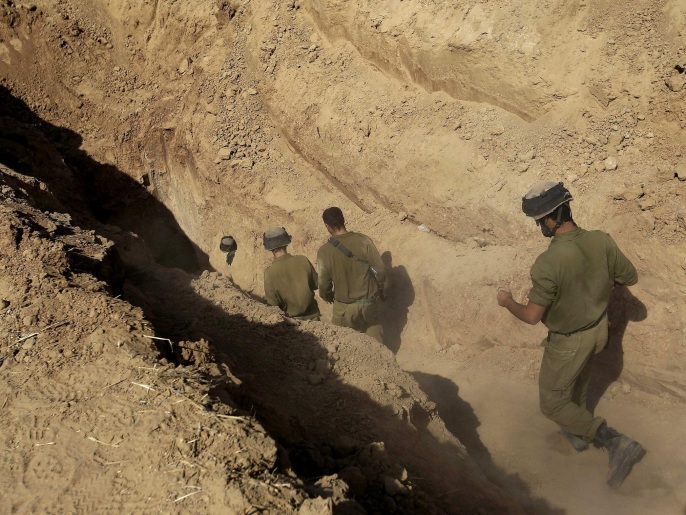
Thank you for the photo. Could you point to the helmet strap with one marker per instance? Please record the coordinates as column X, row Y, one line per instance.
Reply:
column 549, row 233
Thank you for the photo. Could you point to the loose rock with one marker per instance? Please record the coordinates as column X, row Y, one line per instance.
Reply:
column 610, row 163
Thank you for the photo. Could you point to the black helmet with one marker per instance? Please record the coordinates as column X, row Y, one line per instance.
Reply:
column 544, row 198
column 227, row 244
column 275, row 238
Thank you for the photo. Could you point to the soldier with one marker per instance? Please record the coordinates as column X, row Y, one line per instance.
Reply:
column 352, row 276
column 571, row 286
column 290, row 281
column 228, row 244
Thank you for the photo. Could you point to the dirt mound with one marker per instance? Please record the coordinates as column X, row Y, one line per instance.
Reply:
column 91, row 420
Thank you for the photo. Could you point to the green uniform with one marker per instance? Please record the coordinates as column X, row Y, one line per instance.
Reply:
column 289, row 282
column 573, row 279
column 350, row 285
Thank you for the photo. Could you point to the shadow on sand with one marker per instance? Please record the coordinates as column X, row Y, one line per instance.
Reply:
column 462, row 422
column 608, row 365
column 397, row 304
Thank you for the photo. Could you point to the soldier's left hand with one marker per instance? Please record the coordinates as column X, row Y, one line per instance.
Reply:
column 503, row 296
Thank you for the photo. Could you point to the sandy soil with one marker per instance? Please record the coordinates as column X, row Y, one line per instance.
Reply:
column 135, row 134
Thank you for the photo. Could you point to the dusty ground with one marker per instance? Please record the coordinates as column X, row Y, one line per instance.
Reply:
column 139, row 133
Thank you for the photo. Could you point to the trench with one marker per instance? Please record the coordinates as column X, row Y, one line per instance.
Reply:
column 110, row 197
column 155, row 281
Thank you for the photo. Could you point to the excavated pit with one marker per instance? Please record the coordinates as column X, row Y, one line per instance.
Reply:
column 182, row 125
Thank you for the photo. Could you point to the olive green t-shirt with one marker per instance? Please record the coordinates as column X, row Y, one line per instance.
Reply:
column 345, row 278
column 575, row 276
column 289, row 282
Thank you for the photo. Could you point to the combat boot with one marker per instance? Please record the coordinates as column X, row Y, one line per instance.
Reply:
column 624, row 453
column 579, row 444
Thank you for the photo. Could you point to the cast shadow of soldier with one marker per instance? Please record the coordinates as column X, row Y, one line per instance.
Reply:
column 608, row 365
column 462, row 422
column 397, row 303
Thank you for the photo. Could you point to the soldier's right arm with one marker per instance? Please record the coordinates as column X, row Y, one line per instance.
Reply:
column 270, row 292
column 312, row 278
column 325, row 280
column 375, row 261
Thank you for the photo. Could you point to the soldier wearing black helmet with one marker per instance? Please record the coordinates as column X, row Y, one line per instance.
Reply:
column 571, row 286
column 290, row 281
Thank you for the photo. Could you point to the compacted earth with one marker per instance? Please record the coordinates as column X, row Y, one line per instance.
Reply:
column 140, row 373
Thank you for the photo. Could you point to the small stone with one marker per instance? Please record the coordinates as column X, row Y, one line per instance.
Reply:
column 394, row 486
column 664, row 173
column 4, row 304
column 523, row 167
column 252, row 91
column 322, row 367
column 676, row 83
column 224, row 152
column 402, row 216
column 184, row 65
column 527, row 156
column 634, row 192
column 680, row 171
column 356, row 480
column 316, row 506
column 29, row 320
column 314, row 379
column 610, row 163
column 626, row 388
column 497, row 130
column 423, row 228
column 28, row 344
column 615, row 139
column 478, row 163
column 646, row 203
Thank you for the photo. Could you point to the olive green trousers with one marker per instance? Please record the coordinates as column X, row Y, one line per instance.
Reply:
column 564, row 377
column 363, row 317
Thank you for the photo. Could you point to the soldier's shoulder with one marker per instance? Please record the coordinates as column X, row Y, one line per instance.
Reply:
column 324, row 248
column 360, row 236
column 598, row 236
column 300, row 258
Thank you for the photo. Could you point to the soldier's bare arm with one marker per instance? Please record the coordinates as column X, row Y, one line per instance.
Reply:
column 530, row 313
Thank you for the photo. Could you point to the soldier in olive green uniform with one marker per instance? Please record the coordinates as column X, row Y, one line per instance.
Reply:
column 571, row 286
column 290, row 281
column 352, row 276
